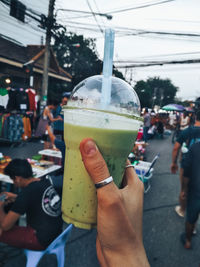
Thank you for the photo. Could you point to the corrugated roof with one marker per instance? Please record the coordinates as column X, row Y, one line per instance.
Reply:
column 12, row 51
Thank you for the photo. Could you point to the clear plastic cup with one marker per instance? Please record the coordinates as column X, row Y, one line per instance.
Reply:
column 113, row 127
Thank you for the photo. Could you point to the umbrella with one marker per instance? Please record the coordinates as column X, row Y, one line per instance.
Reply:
column 190, row 110
column 173, row 107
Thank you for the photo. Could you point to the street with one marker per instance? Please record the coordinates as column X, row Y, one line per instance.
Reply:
column 161, row 225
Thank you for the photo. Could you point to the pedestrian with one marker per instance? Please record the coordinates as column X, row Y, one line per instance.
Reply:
column 191, row 192
column 59, row 144
column 192, row 118
column 147, row 124
column 38, row 200
column 184, row 121
column 58, row 126
column 176, row 127
column 187, row 137
column 119, row 221
column 46, row 119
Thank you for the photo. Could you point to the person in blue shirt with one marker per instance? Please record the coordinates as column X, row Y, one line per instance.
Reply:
column 191, row 192
column 59, row 125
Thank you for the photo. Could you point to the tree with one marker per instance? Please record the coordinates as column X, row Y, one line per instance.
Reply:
column 156, row 91
column 78, row 56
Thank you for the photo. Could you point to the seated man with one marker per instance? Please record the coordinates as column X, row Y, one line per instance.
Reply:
column 39, row 201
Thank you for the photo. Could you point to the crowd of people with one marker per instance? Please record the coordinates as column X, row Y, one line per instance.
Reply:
column 154, row 125
column 185, row 128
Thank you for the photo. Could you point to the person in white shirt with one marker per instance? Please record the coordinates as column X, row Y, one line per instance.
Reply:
column 184, row 121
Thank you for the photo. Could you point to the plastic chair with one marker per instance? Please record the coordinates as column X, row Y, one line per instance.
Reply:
column 145, row 171
column 56, row 247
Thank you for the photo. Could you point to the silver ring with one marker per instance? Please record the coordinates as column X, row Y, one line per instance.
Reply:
column 104, row 182
column 130, row 165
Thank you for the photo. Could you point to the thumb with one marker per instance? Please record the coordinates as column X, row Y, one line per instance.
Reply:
column 93, row 160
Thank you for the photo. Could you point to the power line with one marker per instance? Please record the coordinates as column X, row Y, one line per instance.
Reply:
column 161, row 63
column 145, row 59
column 21, row 24
column 99, row 12
column 124, row 31
column 5, row 17
column 138, row 7
column 29, row 12
column 86, row 12
column 88, row 3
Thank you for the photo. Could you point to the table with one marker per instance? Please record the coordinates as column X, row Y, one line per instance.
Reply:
column 51, row 153
column 5, row 178
column 37, row 173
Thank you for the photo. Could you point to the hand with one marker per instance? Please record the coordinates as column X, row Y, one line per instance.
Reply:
column 119, row 216
column 183, row 195
column 174, row 168
column 11, row 197
column 59, row 118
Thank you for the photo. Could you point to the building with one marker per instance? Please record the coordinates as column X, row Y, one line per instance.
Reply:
column 19, row 63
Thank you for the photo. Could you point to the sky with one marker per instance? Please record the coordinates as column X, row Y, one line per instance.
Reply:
column 177, row 16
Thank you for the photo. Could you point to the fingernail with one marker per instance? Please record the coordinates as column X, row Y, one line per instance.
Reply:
column 90, row 148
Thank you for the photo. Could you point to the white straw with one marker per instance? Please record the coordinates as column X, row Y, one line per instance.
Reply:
column 107, row 67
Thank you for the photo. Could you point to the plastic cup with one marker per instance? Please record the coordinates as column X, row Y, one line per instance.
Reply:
column 114, row 130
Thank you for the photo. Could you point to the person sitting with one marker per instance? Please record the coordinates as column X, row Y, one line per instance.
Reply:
column 39, row 201
column 152, row 131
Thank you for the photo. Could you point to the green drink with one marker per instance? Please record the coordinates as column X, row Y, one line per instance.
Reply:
column 115, row 135
column 108, row 111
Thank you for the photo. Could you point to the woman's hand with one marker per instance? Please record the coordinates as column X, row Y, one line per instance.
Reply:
column 59, row 118
column 119, row 216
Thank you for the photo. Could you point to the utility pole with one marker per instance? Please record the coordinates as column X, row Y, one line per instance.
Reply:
column 47, row 52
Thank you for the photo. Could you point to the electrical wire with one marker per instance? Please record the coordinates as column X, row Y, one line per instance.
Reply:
column 88, row 3
column 99, row 12
column 174, row 54
column 139, row 7
column 132, row 31
column 150, row 59
column 24, row 27
column 29, row 12
column 161, row 63
column 116, row 55
column 29, row 22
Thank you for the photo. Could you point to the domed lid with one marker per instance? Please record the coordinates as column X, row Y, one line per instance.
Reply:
column 88, row 95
